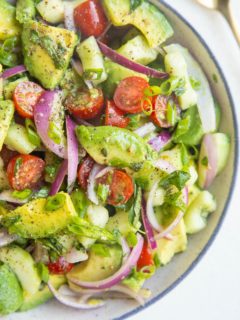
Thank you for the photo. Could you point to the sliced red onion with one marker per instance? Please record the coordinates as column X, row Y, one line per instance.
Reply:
column 83, row 122
column 75, row 301
column 122, row 273
column 120, row 59
column 209, row 150
column 125, row 249
column 150, row 211
column 104, row 32
column 145, row 129
column 164, row 166
column 7, row 196
column 103, row 172
column 160, row 141
column 72, row 150
column 74, row 256
column 6, row 238
column 185, row 195
column 42, row 116
column 91, row 183
column 169, row 229
column 148, row 228
column 62, row 171
column 68, row 17
column 13, row 71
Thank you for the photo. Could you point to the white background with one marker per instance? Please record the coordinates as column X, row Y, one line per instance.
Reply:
column 212, row 290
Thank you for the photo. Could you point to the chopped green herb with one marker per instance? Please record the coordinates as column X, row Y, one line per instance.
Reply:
column 102, row 192
column 135, row 3
column 32, row 133
column 204, row 161
column 156, row 260
column 182, row 128
column 43, row 272
column 131, row 239
column 80, row 202
column 17, row 165
column 177, row 178
column 54, row 202
column 8, row 56
column 23, row 194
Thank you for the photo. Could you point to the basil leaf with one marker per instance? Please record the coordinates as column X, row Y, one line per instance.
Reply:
column 177, row 178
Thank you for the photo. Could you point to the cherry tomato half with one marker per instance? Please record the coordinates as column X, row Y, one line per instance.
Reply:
column 25, row 171
column 120, row 185
column 89, row 17
column 61, row 266
column 25, row 96
column 85, row 104
column 159, row 113
column 114, row 116
column 130, row 93
column 84, row 171
column 146, row 258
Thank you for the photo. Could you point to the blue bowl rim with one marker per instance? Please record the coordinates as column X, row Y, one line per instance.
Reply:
column 212, row 238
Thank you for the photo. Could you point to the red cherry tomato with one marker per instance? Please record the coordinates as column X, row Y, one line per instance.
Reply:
column 114, row 116
column 159, row 113
column 25, row 96
column 85, row 104
column 146, row 258
column 120, row 185
column 130, row 93
column 61, row 266
column 89, row 17
column 25, row 171
column 84, row 171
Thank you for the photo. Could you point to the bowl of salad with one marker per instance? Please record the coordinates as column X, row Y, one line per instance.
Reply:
column 117, row 153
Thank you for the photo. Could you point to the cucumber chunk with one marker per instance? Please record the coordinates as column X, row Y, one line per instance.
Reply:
column 23, row 265
column 92, row 60
column 51, row 10
column 196, row 215
column 6, row 115
column 17, row 139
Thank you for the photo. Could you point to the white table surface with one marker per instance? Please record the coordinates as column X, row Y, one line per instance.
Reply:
column 212, row 290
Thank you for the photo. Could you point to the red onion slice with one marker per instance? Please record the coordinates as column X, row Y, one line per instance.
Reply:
column 75, row 301
column 42, row 115
column 148, row 228
column 13, row 71
column 122, row 273
column 7, row 196
column 160, row 141
column 149, row 209
column 120, row 59
column 72, row 151
column 125, row 249
column 145, row 129
column 83, row 122
column 62, row 171
column 103, row 172
column 74, row 256
column 6, row 238
column 169, row 229
column 91, row 183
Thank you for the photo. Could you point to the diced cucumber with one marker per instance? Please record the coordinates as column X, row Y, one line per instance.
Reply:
column 23, row 265
column 158, row 198
column 98, row 216
column 120, row 221
column 92, row 60
column 51, row 10
column 117, row 11
column 10, row 87
column 174, row 157
column 193, row 192
column 138, row 50
column 196, row 215
column 176, row 66
column 17, row 139
column 193, row 174
column 220, row 148
column 6, row 115
column 152, row 23
column 205, row 102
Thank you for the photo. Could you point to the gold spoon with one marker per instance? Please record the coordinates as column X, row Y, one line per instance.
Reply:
column 226, row 8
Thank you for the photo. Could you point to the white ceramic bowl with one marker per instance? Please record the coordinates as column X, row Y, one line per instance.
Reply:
column 168, row 277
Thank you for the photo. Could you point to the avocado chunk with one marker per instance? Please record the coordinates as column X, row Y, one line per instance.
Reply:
column 9, row 26
column 11, row 295
column 35, row 220
column 23, row 265
column 116, row 73
column 114, row 146
column 120, row 221
column 193, row 133
column 98, row 267
column 117, row 11
column 43, row 295
column 166, row 249
column 6, row 115
column 50, row 45
column 25, row 10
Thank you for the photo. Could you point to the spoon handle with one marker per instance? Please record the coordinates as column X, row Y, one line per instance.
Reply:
column 229, row 13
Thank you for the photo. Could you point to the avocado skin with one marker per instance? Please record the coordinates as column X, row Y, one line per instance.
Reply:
column 11, row 295
column 114, row 146
column 194, row 134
